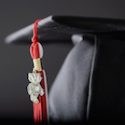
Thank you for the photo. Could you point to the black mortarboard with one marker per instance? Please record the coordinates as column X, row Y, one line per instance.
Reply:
column 102, row 67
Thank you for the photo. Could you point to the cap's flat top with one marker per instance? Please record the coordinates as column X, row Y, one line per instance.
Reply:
column 60, row 28
column 91, row 24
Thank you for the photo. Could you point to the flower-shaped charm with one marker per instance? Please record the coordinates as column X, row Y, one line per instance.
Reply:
column 34, row 88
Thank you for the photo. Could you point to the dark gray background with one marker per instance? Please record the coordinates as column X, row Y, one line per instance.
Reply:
column 15, row 61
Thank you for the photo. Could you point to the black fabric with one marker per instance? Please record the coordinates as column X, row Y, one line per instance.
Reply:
column 105, row 87
column 108, row 86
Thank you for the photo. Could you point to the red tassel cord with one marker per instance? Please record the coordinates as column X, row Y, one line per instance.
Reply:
column 36, row 51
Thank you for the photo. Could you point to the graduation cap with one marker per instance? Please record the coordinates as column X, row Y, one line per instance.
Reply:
column 91, row 83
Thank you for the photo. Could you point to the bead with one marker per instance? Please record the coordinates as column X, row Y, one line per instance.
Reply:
column 36, row 50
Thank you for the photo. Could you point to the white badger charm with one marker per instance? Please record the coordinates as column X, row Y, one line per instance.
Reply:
column 34, row 88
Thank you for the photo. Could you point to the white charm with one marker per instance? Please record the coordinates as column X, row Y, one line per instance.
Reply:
column 34, row 88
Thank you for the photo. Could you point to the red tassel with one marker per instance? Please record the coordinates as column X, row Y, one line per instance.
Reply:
column 40, row 109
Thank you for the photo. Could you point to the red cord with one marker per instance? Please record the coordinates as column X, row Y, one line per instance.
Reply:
column 40, row 109
column 35, row 32
column 34, row 49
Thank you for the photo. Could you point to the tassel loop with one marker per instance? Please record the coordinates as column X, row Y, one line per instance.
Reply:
column 35, row 32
